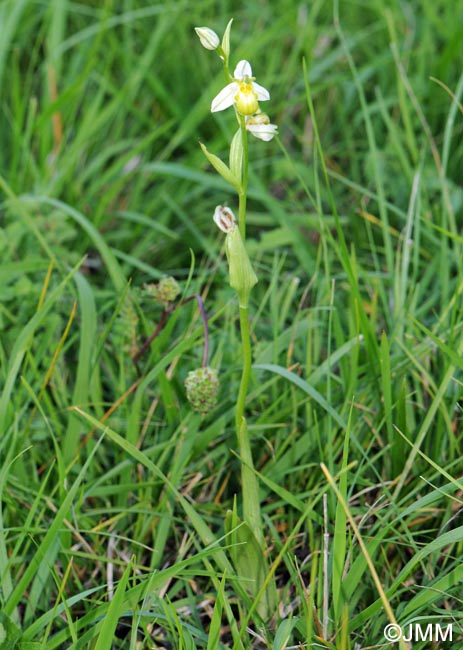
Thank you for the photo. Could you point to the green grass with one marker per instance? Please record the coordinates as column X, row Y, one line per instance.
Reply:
column 113, row 491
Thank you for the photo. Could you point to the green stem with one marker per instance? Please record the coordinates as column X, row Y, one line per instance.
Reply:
column 244, row 179
column 250, row 485
column 224, row 58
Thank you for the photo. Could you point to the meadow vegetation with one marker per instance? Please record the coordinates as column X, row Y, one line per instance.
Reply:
column 114, row 492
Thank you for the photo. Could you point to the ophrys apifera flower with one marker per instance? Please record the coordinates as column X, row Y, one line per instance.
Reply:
column 260, row 127
column 243, row 92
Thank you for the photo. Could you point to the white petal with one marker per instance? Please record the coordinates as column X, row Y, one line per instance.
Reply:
column 264, row 132
column 262, row 93
column 243, row 69
column 225, row 98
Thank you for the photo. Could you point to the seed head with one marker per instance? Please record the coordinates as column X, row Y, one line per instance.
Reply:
column 202, row 387
column 165, row 291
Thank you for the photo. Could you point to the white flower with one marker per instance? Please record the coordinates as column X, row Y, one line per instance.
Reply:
column 264, row 132
column 260, row 127
column 208, row 38
column 224, row 218
column 243, row 91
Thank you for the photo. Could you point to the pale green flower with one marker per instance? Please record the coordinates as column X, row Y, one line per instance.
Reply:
column 243, row 92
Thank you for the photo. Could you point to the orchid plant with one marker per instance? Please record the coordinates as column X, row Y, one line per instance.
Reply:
column 243, row 94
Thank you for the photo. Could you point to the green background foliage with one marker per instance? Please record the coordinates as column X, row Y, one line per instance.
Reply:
column 112, row 513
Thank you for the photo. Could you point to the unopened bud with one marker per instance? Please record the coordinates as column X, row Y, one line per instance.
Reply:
column 202, row 388
column 208, row 38
column 224, row 218
column 242, row 276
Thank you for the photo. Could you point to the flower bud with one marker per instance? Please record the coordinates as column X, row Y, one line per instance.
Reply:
column 208, row 38
column 224, row 218
column 242, row 276
column 202, row 388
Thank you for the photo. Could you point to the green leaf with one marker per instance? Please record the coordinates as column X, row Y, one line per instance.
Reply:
column 306, row 387
column 250, row 563
column 21, row 347
column 221, row 168
column 115, row 610
column 113, row 267
column 226, row 39
column 9, row 633
column 216, row 620
column 42, row 550
column 242, row 275
column 283, row 634
column 341, row 534
column 236, row 155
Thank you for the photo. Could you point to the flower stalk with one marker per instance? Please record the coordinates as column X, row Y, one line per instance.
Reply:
column 244, row 179
column 243, row 94
column 251, row 501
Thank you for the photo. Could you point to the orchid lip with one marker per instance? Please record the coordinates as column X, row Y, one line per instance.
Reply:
column 228, row 96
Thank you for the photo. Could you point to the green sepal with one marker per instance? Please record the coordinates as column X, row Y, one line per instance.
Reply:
column 221, row 168
column 236, row 155
column 226, row 39
column 242, row 276
column 250, row 563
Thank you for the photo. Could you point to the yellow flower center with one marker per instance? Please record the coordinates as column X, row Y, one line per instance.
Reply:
column 246, row 99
